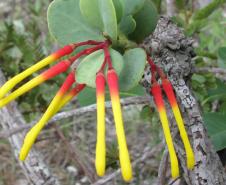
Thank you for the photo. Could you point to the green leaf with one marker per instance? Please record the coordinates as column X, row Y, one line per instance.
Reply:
column 222, row 53
column 108, row 14
column 90, row 11
column 216, row 127
column 119, row 8
column 127, row 24
column 90, row 65
column 216, row 94
column 158, row 4
column 146, row 113
column 208, row 10
column 199, row 78
column 87, row 96
column 102, row 15
column 133, row 6
column 146, row 21
column 134, row 64
column 67, row 25
column 135, row 91
column 222, row 57
column 195, row 26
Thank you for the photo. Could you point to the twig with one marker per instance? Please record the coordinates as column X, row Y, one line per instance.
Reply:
column 146, row 155
column 136, row 100
column 218, row 72
column 34, row 168
column 175, row 180
column 75, row 155
column 163, row 168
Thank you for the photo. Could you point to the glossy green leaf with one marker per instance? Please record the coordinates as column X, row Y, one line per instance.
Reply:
column 90, row 65
column 90, row 11
column 127, row 25
column 216, row 127
column 108, row 15
column 133, row 6
column 119, row 8
column 102, row 14
column 134, row 64
column 146, row 21
column 67, row 25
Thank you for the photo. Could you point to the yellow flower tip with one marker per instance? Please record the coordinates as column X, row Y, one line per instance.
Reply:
column 100, row 161
column 23, row 154
column 5, row 88
column 190, row 160
column 28, row 142
column 174, row 166
column 100, row 169
column 125, row 163
column 127, row 176
column 175, row 173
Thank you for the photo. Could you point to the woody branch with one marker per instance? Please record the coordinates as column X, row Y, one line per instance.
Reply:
column 173, row 52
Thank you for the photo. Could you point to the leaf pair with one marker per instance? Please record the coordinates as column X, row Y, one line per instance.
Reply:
column 85, row 19
column 129, row 67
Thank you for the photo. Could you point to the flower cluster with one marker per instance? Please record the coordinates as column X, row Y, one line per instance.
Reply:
column 156, row 91
column 106, row 74
column 67, row 91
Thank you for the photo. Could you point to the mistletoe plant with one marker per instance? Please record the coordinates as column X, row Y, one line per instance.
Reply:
column 102, row 38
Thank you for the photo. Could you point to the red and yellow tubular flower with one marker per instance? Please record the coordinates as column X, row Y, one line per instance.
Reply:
column 68, row 97
column 176, row 111
column 48, row 74
column 157, row 94
column 124, row 157
column 46, row 61
column 54, row 105
column 100, row 161
column 52, row 72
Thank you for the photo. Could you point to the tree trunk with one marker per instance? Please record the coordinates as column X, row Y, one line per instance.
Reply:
column 173, row 52
column 35, row 170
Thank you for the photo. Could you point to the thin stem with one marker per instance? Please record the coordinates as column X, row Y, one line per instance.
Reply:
column 87, row 52
column 108, row 57
column 88, row 42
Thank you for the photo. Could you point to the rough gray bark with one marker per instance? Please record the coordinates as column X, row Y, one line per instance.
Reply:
column 173, row 52
column 35, row 170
